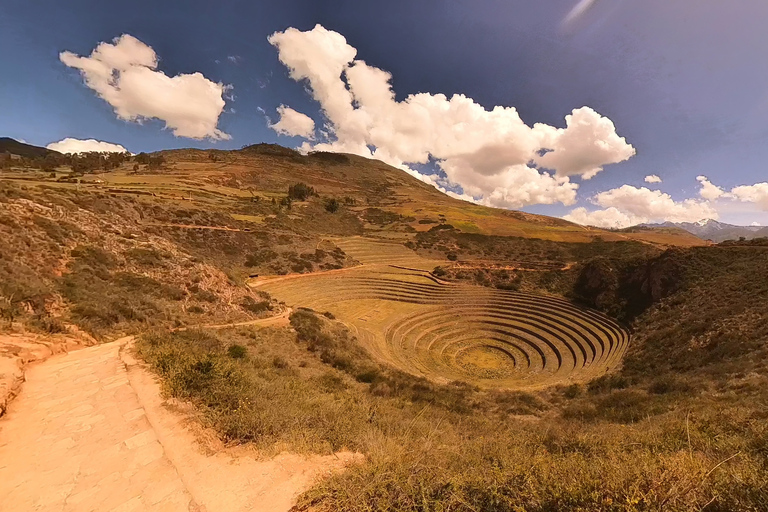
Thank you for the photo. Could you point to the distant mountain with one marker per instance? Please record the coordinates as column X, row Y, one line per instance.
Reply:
column 710, row 229
column 14, row 147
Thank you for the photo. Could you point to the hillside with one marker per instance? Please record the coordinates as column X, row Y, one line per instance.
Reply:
column 388, row 201
column 477, row 359
column 14, row 147
column 709, row 229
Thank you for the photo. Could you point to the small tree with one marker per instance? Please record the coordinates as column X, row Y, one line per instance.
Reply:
column 332, row 206
column 300, row 191
column 9, row 309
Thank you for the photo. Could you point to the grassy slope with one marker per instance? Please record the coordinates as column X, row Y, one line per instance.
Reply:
column 267, row 171
column 112, row 263
column 681, row 427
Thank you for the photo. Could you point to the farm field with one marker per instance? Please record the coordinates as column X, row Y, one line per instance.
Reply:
column 409, row 319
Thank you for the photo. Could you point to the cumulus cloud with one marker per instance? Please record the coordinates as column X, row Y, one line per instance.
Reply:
column 608, row 218
column 588, row 142
column 652, row 178
column 293, row 123
column 655, row 205
column 757, row 193
column 491, row 155
column 124, row 73
column 709, row 191
column 70, row 145
column 627, row 205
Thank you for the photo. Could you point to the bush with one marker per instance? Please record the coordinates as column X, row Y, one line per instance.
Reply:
column 237, row 351
column 300, row 192
column 607, row 383
column 332, row 206
column 146, row 257
column 254, row 306
column 49, row 324
column 260, row 257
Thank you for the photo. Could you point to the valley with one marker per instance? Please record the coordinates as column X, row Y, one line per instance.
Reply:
column 330, row 306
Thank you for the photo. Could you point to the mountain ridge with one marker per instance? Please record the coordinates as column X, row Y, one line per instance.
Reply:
column 14, row 147
column 711, row 229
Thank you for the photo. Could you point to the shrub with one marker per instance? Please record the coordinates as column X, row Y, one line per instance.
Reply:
column 332, row 205
column 279, row 362
column 300, row 191
column 146, row 257
column 237, row 351
column 254, row 306
column 607, row 383
column 572, row 391
column 260, row 257
column 205, row 295
column 49, row 324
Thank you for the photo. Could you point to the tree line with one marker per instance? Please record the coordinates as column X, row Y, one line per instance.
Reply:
column 82, row 162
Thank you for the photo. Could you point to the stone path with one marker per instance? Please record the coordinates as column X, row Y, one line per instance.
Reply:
column 90, row 432
column 77, row 438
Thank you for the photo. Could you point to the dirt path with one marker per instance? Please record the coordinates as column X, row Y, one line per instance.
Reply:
column 194, row 226
column 90, row 431
column 77, row 438
column 272, row 321
column 258, row 281
column 228, row 480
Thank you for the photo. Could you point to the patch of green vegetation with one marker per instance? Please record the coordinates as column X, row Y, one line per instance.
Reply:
column 301, row 192
column 102, row 296
column 147, row 257
column 466, row 226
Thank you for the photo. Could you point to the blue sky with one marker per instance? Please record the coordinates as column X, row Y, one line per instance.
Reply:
column 684, row 81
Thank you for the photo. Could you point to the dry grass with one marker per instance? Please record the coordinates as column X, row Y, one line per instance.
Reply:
column 441, row 447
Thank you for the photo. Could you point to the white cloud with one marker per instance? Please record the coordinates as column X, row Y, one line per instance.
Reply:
column 293, row 123
column 652, row 178
column 709, row 191
column 627, row 205
column 757, row 193
column 485, row 152
column 70, row 145
column 756, row 224
column 588, row 142
column 655, row 205
column 124, row 73
column 609, row 218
